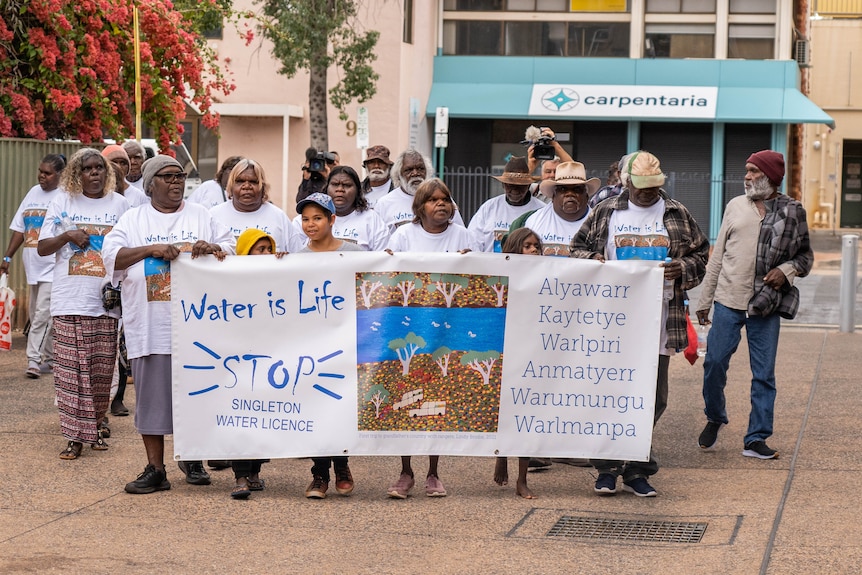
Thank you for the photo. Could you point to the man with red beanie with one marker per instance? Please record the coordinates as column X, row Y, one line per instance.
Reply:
column 762, row 246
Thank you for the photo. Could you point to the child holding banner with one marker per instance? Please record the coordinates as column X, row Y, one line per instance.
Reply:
column 521, row 241
column 318, row 217
column 251, row 242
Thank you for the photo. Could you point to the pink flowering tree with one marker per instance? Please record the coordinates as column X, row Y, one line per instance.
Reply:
column 67, row 68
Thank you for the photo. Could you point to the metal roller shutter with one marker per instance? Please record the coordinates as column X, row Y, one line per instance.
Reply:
column 685, row 153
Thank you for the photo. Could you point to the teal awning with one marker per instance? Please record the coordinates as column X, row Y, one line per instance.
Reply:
column 744, row 91
column 771, row 105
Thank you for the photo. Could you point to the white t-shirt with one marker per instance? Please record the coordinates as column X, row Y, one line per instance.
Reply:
column 378, row 192
column 639, row 234
column 493, row 219
column 208, row 194
column 77, row 288
column 556, row 233
column 146, row 285
column 139, row 183
column 396, row 209
column 136, row 197
column 364, row 229
column 413, row 238
column 267, row 218
column 28, row 221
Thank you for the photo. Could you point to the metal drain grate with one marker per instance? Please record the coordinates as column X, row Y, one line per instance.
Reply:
column 628, row 530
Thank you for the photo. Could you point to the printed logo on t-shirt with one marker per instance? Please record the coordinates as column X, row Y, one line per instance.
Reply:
column 33, row 219
column 157, row 273
column 88, row 262
column 652, row 247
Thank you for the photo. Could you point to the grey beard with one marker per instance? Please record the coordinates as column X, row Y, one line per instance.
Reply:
column 759, row 189
column 409, row 188
column 379, row 175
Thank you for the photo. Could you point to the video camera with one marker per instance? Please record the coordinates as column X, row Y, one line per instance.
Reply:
column 317, row 160
column 543, row 146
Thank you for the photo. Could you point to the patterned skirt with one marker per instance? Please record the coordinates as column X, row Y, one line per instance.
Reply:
column 85, row 350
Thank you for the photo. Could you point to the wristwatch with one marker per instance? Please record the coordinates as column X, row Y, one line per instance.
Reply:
column 7, row 259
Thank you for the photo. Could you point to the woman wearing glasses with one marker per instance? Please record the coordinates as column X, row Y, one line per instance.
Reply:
column 85, row 335
column 138, row 252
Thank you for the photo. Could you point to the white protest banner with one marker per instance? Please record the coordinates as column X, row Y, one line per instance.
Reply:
column 450, row 354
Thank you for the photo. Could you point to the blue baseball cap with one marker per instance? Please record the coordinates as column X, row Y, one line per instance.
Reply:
column 320, row 199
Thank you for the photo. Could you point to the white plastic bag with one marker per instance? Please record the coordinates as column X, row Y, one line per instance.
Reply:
column 7, row 304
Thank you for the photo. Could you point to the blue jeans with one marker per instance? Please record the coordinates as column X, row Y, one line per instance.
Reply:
column 723, row 340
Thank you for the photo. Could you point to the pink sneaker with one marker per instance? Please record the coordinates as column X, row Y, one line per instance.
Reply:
column 434, row 487
column 402, row 487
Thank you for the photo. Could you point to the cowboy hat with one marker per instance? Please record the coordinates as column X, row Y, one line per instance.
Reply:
column 574, row 173
column 516, row 172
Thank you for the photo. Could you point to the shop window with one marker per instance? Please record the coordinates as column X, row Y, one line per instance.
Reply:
column 465, row 38
column 680, row 6
column 474, row 5
column 598, row 39
column 752, row 6
column 679, row 41
column 751, row 42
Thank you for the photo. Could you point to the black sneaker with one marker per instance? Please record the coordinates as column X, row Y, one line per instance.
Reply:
column 709, row 435
column 640, row 487
column 606, row 484
column 149, row 481
column 195, row 472
column 760, row 450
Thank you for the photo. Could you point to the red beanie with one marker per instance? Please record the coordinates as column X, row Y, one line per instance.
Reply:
column 770, row 163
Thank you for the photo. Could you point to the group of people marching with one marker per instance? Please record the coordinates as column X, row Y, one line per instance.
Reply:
column 99, row 234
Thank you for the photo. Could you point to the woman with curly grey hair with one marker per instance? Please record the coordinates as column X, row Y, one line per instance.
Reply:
column 85, row 335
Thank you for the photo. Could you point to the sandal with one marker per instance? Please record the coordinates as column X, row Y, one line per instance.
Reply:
column 240, row 492
column 100, row 444
column 256, row 484
column 72, row 451
column 104, row 430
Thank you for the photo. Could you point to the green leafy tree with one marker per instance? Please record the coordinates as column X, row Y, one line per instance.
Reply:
column 406, row 348
column 482, row 362
column 315, row 35
column 441, row 358
column 447, row 285
column 367, row 284
column 498, row 284
column 406, row 284
column 378, row 395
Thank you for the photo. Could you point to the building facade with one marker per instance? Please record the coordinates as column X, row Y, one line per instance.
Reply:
column 833, row 156
column 701, row 83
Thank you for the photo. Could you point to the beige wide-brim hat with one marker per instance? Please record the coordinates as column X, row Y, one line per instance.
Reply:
column 516, row 172
column 574, row 173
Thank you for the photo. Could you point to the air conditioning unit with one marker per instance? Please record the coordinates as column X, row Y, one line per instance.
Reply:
column 802, row 53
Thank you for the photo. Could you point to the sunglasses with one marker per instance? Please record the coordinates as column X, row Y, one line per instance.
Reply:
column 179, row 177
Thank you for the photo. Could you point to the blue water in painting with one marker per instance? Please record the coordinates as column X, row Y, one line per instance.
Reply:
column 459, row 329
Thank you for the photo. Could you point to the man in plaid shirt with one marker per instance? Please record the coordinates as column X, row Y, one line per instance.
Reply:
column 644, row 223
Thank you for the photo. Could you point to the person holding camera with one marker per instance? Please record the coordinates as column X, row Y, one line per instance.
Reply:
column 315, row 172
column 542, row 146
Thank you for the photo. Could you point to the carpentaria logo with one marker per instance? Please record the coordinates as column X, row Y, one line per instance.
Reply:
column 560, row 99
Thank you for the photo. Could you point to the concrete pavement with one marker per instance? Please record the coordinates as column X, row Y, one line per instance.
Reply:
column 796, row 514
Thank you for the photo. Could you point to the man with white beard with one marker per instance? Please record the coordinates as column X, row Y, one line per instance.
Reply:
column 762, row 246
column 378, row 183
column 410, row 169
